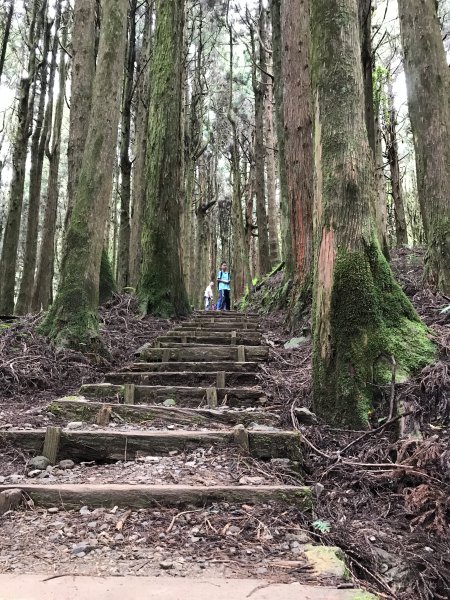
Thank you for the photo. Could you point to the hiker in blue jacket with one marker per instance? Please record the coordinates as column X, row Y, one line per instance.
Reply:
column 223, row 281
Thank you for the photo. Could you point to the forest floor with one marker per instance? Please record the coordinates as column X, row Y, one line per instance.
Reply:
column 392, row 522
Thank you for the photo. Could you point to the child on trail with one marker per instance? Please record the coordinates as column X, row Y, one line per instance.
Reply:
column 224, row 279
column 209, row 296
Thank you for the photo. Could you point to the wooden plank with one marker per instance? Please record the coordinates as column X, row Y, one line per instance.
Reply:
column 193, row 353
column 173, row 378
column 165, row 355
column 207, row 366
column 144, row 496
column 211, row 397
column 184, row 396
column 100, row 445
column 76, row 410
column 233, row 339
column 51, row 443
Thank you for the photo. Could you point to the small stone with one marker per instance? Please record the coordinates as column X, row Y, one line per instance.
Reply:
column 166, row 564
column 53, row 510
column 318, row 489
column 92, row 525
column 34, row 473
column 66, row 464
column 170, row 426
column 58, row 525
column 305, row 416
column 54, row 537
column 261, row 570
column 74, row 425
column 173, row 452
column 169, row 402
column 295, row 342
column 2, row 479
column 84, row 510
column 38, row 462
column 119, row 537
column 246, row 480
column 81, row 549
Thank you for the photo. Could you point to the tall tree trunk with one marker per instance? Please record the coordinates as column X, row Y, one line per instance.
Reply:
column 161, row 286
column 270, row 142
column 8, row 261
column 125, row 162
column 5, row 38
column 82, row 77
column 43, row 285
column 394, row 165
column 286, row 242
column 140, row 150
column 365, row 25
column 361, row 315
column 261, row 214
column 298, row 149
column 72, row 319
column 380, row 196
column 38, row 143
column 428, row 85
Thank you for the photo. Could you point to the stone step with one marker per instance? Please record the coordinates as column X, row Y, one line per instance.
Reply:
column 191, row 378
column 193, row 367
column 183, row 396
column 220, row 325
column 226, row 314
column 107, row 445
column 144, row 496
column 224, row 338
column 87, row 411
column 192, row 353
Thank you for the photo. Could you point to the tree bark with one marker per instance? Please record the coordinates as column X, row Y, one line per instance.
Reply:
column 6, row 34
column 261, row 214
column 8, row 261
column 361, row 315
column 38, row 143
column 123, row 258
column 298, row 148
column 43, row 285
column 278, row 80
column 394, row 166
column 72, row 320
column 82, row 77
column 140, row 150
column 428, row 85
column 365, row 25
column 161, row 287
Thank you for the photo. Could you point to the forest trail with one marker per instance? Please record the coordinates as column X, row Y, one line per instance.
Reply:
column 179, row 464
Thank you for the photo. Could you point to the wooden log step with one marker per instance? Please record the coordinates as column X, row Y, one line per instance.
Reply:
column 173, row 378
column 216, row 338
column 144, row 496
column 203, row 353
column 183, row 396
column 107, row 445
column 82, row 410
column 205, row 367
column 226, row 314
column 220, row 326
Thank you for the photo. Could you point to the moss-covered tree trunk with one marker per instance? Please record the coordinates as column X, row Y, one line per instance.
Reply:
column 82, row 78
column 38, row 143
column 72, row 319
column 140, row 147
column 43, row 284
column 259, row 59
column 361, row 316
column 123, row 254
column 428, row 84
column 161, row 286
column 278, row 81
column 25, row 103
column 298, row 150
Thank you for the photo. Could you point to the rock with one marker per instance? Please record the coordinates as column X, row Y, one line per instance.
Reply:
column 305, row 416
column 15, row 478
column 9, row 499
column 53, row 510
column 2, row 479
column 75, row 425
column 166, row 564
column 38, row 462
column 81, row 549
column 301, row 537
column 246, row 480
column 326, row 561
column 84, row 510
column 169, row 402
column 66, row 464
column 34, row 473
column 92, row 525
column 318, row 489
column 296, row 342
